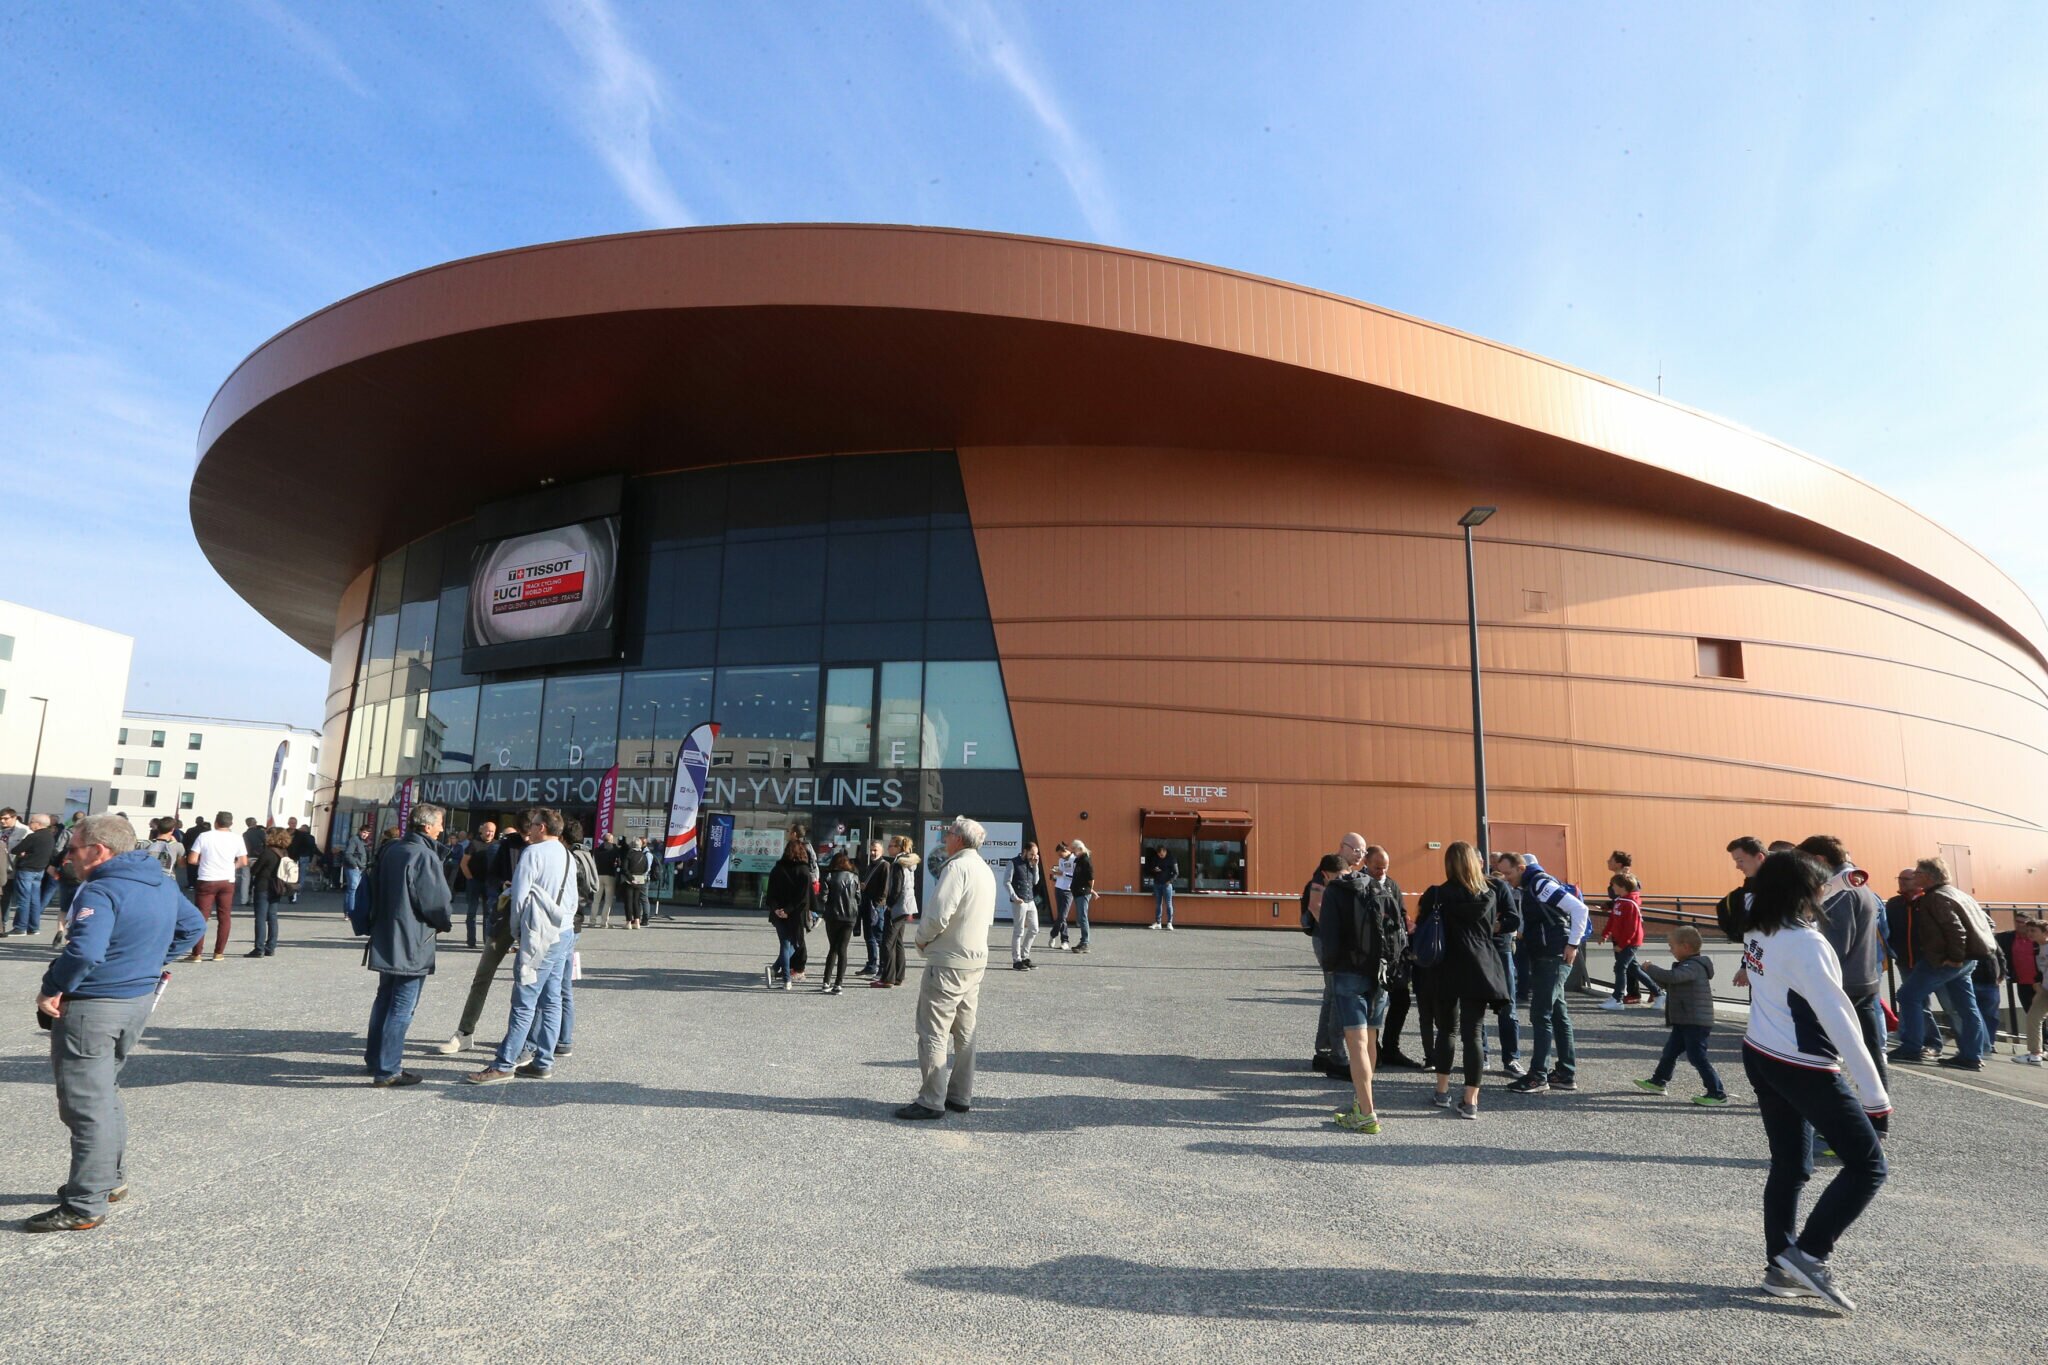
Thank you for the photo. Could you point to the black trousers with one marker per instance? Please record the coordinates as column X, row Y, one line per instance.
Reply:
column 1469, row 1014
column 838, row 933
column 892, row 953
column 1397, row 1014
column 1795, row 1102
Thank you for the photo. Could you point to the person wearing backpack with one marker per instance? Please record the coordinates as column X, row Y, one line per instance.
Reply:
column 1554, row 923
column 636, row 865
column 1329, row 1056
column 1402, row 980
column 1353, row 948
column 585, row 864
column 1456, row 923
column 267, row 883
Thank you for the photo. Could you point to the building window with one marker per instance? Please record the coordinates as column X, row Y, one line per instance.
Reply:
column 124, row 734
column 316, row 756
column 1721, row 658
column 759, row 758
column 967, row 717
column 6, row 648
column 191, row 771
column 312, row 782
column 508, row 725
column 120, row 766
column 156, row 739
column 155, row 769
column 896, row 722
column 149, row 797
column 184, row 800
column 449, row 744
column 192, row 741
column 580, row 723
column 849, row 715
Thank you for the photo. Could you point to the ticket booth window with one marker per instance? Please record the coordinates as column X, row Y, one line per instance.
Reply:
column 1220, row 840
column 1173, row 830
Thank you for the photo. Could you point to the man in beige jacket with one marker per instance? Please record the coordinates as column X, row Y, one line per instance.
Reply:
column 953, row 935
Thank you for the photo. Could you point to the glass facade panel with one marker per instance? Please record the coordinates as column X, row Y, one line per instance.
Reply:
column 508, row 725
column 411, row 711
column 660, row 710
column 896, row 729
column 768, row 711
column 449, row 744
column 773, row 583
column 956, row 592
column 876, row 577
column 967, row 717
column 415, row 646
column 849, row 715
column 580, row 724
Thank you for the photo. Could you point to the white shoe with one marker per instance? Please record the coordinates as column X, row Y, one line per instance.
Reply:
column 459, row 1043
column 1158, row 926
column 1169, row 928
column 2028, row 1059
column 1612, row 1004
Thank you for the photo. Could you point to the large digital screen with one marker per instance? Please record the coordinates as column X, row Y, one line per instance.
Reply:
column 543, row 597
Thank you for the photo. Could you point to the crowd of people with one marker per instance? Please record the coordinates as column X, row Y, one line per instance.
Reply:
column 1490, row 938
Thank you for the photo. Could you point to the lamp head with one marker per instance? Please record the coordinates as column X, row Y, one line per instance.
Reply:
column 1476, row 517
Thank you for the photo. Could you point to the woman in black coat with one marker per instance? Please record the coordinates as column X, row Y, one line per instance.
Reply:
column 788, row 901
column 265, row 891
column 841, row 909
column 1471, row 978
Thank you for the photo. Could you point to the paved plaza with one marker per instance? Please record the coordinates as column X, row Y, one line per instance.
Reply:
column 1147, row 1174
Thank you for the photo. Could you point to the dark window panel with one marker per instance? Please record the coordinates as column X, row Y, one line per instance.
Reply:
column 390, row 589
column 681, row 589
column 876, row 577
column 955, row 579
column 773, row 645
column 679, row 649
column 882, row 492
column 884, row 640
column 681, row 509
column 773, row 583
column 949, row 496
column 779, row 499
column 423, row 569
column 959, row 640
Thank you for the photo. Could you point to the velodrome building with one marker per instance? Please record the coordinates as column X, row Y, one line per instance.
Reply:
column 1089, row 543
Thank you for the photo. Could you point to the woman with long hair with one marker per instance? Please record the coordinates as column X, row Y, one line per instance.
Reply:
column 1471, row 978
column 1084, row 890
column 901, row 909
column 788, row 901
column 841, row 909
column 265, row 890
column 1803, row 1034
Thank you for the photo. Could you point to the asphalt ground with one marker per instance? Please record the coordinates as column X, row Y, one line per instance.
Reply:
column 1148, row 1173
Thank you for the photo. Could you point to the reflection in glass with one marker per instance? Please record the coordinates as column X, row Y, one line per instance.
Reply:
column 896, row 732
column 770, row 714
column 580, row 728
column 967, row 717
column 508, row 725
column 415, row 647
column 849, row 715
column 449, row 745
column 411, row 729
column 660, row 710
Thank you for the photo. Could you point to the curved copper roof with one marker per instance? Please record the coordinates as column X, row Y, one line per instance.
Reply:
column 395, row 411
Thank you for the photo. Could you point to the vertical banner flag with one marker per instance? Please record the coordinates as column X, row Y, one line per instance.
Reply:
column 276, row 771
column 693, row 766
column 405, row 805
column 607, row 803
column 718, row 857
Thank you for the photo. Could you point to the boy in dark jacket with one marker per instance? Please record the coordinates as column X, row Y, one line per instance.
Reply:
column 1689, row 1009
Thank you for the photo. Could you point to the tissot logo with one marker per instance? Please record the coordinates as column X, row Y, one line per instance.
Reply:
column 1194, row 793
column 548, row 583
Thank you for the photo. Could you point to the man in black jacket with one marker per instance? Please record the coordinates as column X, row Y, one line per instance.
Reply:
column 1386, row 894
column 1329, row 1057
column 31, row 864
column 1352, row 945
column 874, row 900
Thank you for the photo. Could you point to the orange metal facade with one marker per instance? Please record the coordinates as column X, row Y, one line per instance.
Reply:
column 1216, row 516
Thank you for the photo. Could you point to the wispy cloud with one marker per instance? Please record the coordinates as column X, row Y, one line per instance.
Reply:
column 311, row 42
column 987, row 40
column 624, row 105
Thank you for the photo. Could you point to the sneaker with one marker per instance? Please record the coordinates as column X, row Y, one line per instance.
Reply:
column 1780, row 1285
column 1441, row 1099
column 459, row 1043
column 1654, row 1087
column 562, row 1052
column 117, row 1194
column 1563, row 1082
column 2028, row 1059
column 394, row 1081
column 253, row 952
column 1065, row 946
column 1531, row 1084
column 1815, row 1276
column 1467, row 1110
column 60, row 1219
column 1899, row 1056
column 490, row 1075
column 1169, row 928
column 1157, row 925
column 1399, row 1060
column 955, row 1107
column 1632, row 1000
column 533, row 1072
column 834, row 991
column 1514, row 1069
column 1961, row 1063
column 1612, row 1005
column 1710, row 1101
column 917, row 1113
column 1352, row 1121
column 1339, row 1071
column 1319, row 1062
column 789, row 982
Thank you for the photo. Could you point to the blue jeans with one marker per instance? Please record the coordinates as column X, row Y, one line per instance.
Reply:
column 27, row 889
column 568, row 1003
column 871, row 939
column 1954, row 986
column 1794, row 1101
column 390, row 1017
column 351, row 878
column 786, row 936
column 1162, row 902
column 1987, row 1010
column 1690, row 1040
column 536, row 1019
column 1510, row 1025
column 1548, row 1017
column 266, row 920
column 1081, row 899
column 1629, row 978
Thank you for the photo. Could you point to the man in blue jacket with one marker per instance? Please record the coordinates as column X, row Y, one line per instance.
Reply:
column 124, row 924
column 1554, row 923
column 408, row 906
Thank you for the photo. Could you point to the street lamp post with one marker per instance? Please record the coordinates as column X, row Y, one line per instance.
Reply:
column 35, row 764
column 1476, row 517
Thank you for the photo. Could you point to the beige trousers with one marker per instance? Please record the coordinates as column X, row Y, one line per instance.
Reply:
column 946, row 998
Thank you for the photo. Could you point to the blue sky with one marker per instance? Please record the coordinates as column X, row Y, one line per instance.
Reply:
column 1821, row 221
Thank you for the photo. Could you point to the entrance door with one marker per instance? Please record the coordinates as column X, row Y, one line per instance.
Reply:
column 1547, row 842
column 1957, row 856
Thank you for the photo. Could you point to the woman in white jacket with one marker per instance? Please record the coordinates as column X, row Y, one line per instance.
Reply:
column 1803, row 1035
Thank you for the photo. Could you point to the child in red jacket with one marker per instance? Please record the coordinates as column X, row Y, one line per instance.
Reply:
column 1625, row 931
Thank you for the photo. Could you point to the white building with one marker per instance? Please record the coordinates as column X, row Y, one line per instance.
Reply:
column 197, row 766
column 62, row 687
